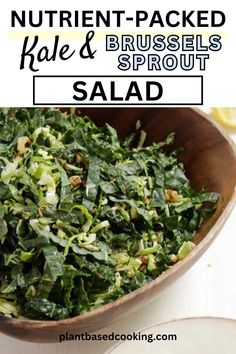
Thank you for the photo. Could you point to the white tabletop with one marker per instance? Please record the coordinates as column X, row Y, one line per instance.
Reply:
column 207, row 289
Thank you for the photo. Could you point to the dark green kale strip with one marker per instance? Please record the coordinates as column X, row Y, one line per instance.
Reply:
column 84, row 217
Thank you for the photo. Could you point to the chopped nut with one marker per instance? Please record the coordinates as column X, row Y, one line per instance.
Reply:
column 22, row 143
column 144, row 259
column 81, row 160
column 75, row 181
column 172, row 196
column 173, row 258
column 146, row 200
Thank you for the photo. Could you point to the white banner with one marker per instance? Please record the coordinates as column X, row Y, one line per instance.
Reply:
column 117, row 90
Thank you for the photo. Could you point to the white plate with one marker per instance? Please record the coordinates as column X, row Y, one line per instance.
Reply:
column 194, row 336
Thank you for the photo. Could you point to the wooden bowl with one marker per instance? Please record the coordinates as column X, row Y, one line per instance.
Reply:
column 210, row 161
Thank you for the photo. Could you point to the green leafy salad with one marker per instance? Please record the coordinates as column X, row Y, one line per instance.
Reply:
column 86, row 218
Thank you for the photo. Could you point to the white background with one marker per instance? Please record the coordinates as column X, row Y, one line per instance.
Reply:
column 16, row 84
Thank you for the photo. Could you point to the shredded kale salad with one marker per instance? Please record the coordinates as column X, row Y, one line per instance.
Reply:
column 86, row 218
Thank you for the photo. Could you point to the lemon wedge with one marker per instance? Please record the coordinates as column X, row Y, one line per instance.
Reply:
column 226, row 116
